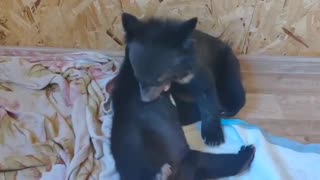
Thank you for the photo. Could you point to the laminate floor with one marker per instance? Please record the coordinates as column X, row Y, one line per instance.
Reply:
column 283, row 96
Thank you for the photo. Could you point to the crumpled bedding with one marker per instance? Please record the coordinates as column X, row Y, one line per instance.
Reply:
column 53, row 112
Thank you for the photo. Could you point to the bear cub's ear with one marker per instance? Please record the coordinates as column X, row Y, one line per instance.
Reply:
column 129, row 23
column 187, row 27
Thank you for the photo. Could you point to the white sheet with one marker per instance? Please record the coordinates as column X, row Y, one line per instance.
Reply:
column 276, row 158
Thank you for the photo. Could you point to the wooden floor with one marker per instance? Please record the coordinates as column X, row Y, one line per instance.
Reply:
column 283, row 96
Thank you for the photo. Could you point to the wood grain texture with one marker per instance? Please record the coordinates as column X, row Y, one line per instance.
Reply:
column 270, row 27
column 283, row 96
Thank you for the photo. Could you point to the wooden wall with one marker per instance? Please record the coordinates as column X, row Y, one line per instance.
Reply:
column 274, row 27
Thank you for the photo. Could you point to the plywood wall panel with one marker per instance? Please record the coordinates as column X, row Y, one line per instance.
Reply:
column 273, row 27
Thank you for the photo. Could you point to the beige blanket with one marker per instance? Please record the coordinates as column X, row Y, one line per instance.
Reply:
column 54, row 115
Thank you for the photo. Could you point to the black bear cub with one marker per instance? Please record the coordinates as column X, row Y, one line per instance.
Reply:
column 147, row 135
column 200, row 71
